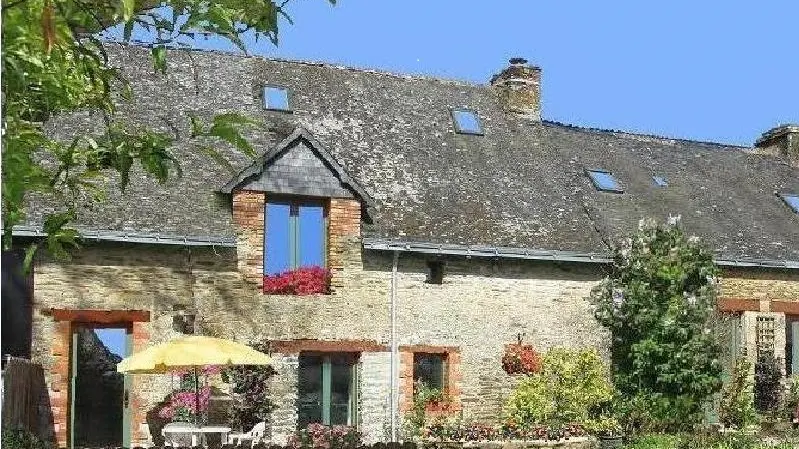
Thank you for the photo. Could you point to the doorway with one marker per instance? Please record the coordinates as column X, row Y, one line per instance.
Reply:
column 100, row 399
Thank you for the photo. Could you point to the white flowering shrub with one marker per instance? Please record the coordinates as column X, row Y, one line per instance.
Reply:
column 657, row 304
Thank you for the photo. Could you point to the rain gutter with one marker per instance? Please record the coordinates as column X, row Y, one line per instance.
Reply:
column 469, row 251
column 134, row 237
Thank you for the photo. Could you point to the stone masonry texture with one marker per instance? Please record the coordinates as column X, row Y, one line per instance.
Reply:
column 543, row 301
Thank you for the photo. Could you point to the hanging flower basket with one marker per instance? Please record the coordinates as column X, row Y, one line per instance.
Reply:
column 302, row 281
column 521, row 359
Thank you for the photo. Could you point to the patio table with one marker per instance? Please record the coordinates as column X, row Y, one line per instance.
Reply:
column 198, row 434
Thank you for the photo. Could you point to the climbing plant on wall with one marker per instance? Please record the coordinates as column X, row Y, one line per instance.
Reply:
column 249, row 386
column 657, row 303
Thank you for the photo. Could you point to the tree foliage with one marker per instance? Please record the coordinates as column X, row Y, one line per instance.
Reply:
column 657, row 303
column 54, row 63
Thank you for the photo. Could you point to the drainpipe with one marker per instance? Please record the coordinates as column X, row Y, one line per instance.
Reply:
column 394, row 351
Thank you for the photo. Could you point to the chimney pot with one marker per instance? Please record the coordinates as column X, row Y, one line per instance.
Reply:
column 518, row 61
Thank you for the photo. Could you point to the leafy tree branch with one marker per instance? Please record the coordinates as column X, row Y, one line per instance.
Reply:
column 53, row 64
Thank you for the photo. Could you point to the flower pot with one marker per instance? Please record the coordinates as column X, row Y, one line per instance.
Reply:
column 610, row 442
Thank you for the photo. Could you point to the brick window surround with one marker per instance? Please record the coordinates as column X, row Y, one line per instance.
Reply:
column 137, row 321
column 344, row 223
column 452, row 375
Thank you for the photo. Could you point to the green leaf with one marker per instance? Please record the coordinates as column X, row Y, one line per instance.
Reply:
column 30, row 251
column 159, row 58
column 128, row 9
column 216, row 156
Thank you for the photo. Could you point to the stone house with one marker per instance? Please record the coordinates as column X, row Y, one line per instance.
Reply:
column 452, row 217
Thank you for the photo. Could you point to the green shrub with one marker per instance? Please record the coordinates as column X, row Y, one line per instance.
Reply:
column 736, row 440
column 654, row 441
column 737, row 407
column 657, row 303
column 702, row 441
column 570, row 385
column 22, row 439
column 791, row 402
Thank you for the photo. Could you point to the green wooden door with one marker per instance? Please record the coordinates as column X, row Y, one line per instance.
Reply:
column 127, row 413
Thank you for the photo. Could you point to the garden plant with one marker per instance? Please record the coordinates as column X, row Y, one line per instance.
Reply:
column 657, row 303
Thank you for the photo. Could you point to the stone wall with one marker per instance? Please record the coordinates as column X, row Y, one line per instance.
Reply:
column 374, row 392
column 479, row 308
column 283, row 390
column 757, row 284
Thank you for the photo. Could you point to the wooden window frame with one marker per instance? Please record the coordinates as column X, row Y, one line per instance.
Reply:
column 326, row 394
column 444, row 369
column 294, row 204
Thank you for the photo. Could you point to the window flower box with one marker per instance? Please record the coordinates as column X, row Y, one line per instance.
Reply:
column 302, row 281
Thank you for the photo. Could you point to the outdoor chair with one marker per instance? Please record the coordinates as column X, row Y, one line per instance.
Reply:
column 254, row 436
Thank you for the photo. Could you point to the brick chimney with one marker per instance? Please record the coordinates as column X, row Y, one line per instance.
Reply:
column 782, row 141
column 518, row 88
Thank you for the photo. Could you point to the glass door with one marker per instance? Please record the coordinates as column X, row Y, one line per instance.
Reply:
column 327, row 389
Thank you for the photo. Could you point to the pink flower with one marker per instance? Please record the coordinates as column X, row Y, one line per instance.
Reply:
column 302, row 281
column 166, row 412
column 211, row 370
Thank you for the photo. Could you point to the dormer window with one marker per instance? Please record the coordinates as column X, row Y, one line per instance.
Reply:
column 467, row 122
column 276, row 98
column 792, row 200
column 605, row 181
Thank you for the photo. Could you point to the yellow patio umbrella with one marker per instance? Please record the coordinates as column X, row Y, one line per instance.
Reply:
column 191, row 353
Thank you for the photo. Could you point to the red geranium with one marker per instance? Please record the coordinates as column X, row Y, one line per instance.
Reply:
column 521, row 359
column 302, row 281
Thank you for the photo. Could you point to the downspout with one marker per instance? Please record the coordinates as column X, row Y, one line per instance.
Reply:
column 393, row 401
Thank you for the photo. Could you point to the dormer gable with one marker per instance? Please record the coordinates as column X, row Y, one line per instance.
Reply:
column 298, row 165
column 296, row 206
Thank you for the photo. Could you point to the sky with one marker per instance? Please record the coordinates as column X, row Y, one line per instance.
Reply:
column 113, row 339
column 713, row 70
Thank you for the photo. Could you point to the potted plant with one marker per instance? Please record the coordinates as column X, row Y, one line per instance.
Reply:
column 608, row 432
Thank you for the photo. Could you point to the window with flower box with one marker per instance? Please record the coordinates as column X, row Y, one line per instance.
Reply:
column 296, row 235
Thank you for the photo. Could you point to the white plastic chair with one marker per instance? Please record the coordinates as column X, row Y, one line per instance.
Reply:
column 254, row 436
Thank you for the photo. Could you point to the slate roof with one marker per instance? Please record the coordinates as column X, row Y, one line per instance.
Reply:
column 521, row 184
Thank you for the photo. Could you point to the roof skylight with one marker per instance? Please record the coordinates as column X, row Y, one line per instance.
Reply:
column 466, row 121
column 660, row 181
column 276, row 98
column 604, row 181
column 792, row 200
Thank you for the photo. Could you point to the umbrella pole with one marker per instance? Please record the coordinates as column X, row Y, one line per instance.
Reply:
column 196, row 398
